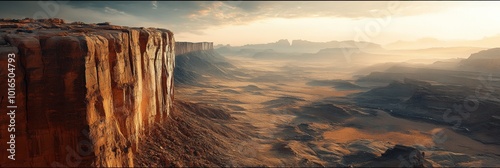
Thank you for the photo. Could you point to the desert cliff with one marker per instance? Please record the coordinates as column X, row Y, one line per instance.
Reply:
column 186, row 47
column 85, row 93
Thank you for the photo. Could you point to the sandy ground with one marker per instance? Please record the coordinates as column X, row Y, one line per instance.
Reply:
column 282, row 138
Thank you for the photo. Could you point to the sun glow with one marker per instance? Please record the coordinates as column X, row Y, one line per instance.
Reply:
column 463, row 21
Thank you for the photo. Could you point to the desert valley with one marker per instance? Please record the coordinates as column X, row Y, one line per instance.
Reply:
column 322, row 110
column 250, row 84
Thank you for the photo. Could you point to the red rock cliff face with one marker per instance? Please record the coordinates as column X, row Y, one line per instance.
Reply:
column 186, row 47
column 85, row 93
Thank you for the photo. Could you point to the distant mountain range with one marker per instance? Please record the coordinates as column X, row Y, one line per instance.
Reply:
column 483, row 61
column 302, row 46
column 487, row 42
column 305, row 46
column 430, row 50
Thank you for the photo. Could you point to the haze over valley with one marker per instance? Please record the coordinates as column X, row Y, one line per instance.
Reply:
column 251, row 84
column 348, row 106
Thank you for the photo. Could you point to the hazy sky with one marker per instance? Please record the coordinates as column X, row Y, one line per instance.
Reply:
column 240, row 22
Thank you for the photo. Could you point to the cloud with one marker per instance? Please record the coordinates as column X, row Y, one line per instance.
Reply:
column 155, row 4
column 196, row 16
column 113, row 11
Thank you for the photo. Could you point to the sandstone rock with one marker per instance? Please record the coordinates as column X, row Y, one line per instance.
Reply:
column 52, row 20
column 27, row 20
column 186, row 47
column 85, row 98
column 11, row 25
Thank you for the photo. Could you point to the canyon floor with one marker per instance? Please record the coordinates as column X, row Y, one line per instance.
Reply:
column 276, row 116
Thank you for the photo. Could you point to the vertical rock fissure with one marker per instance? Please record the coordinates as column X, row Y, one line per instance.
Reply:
column 96, row 61
column 132, row 68
column 157, row 79
column 72, row 82
column 164, row 74
column 22, row 63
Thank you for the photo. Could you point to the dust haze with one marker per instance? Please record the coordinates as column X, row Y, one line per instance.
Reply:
column 251, row 83
column 348, row 103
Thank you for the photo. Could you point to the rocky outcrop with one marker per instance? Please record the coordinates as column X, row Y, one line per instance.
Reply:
column 487, row 61
column 187, row 47
column 399, row 156
column 85, row 93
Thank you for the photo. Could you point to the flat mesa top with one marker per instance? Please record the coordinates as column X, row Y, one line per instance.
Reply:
column 28, row 25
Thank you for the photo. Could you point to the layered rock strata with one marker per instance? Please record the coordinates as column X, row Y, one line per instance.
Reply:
column 187, row 47
column 85, row 93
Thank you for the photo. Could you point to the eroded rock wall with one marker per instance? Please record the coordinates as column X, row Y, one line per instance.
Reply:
column 85, row 92
column 186, row 47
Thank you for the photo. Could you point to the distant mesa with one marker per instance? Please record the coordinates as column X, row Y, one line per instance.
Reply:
column 277, row 44
column 301, row 46
column 187, row 47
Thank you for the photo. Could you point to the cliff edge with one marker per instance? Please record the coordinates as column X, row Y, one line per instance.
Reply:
column 85, row 93
column 187, row 47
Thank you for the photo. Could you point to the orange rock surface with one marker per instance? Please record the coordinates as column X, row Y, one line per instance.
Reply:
column 85, row 93
column 186, row 47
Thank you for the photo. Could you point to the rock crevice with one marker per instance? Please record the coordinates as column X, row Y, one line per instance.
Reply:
column 86, row 92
